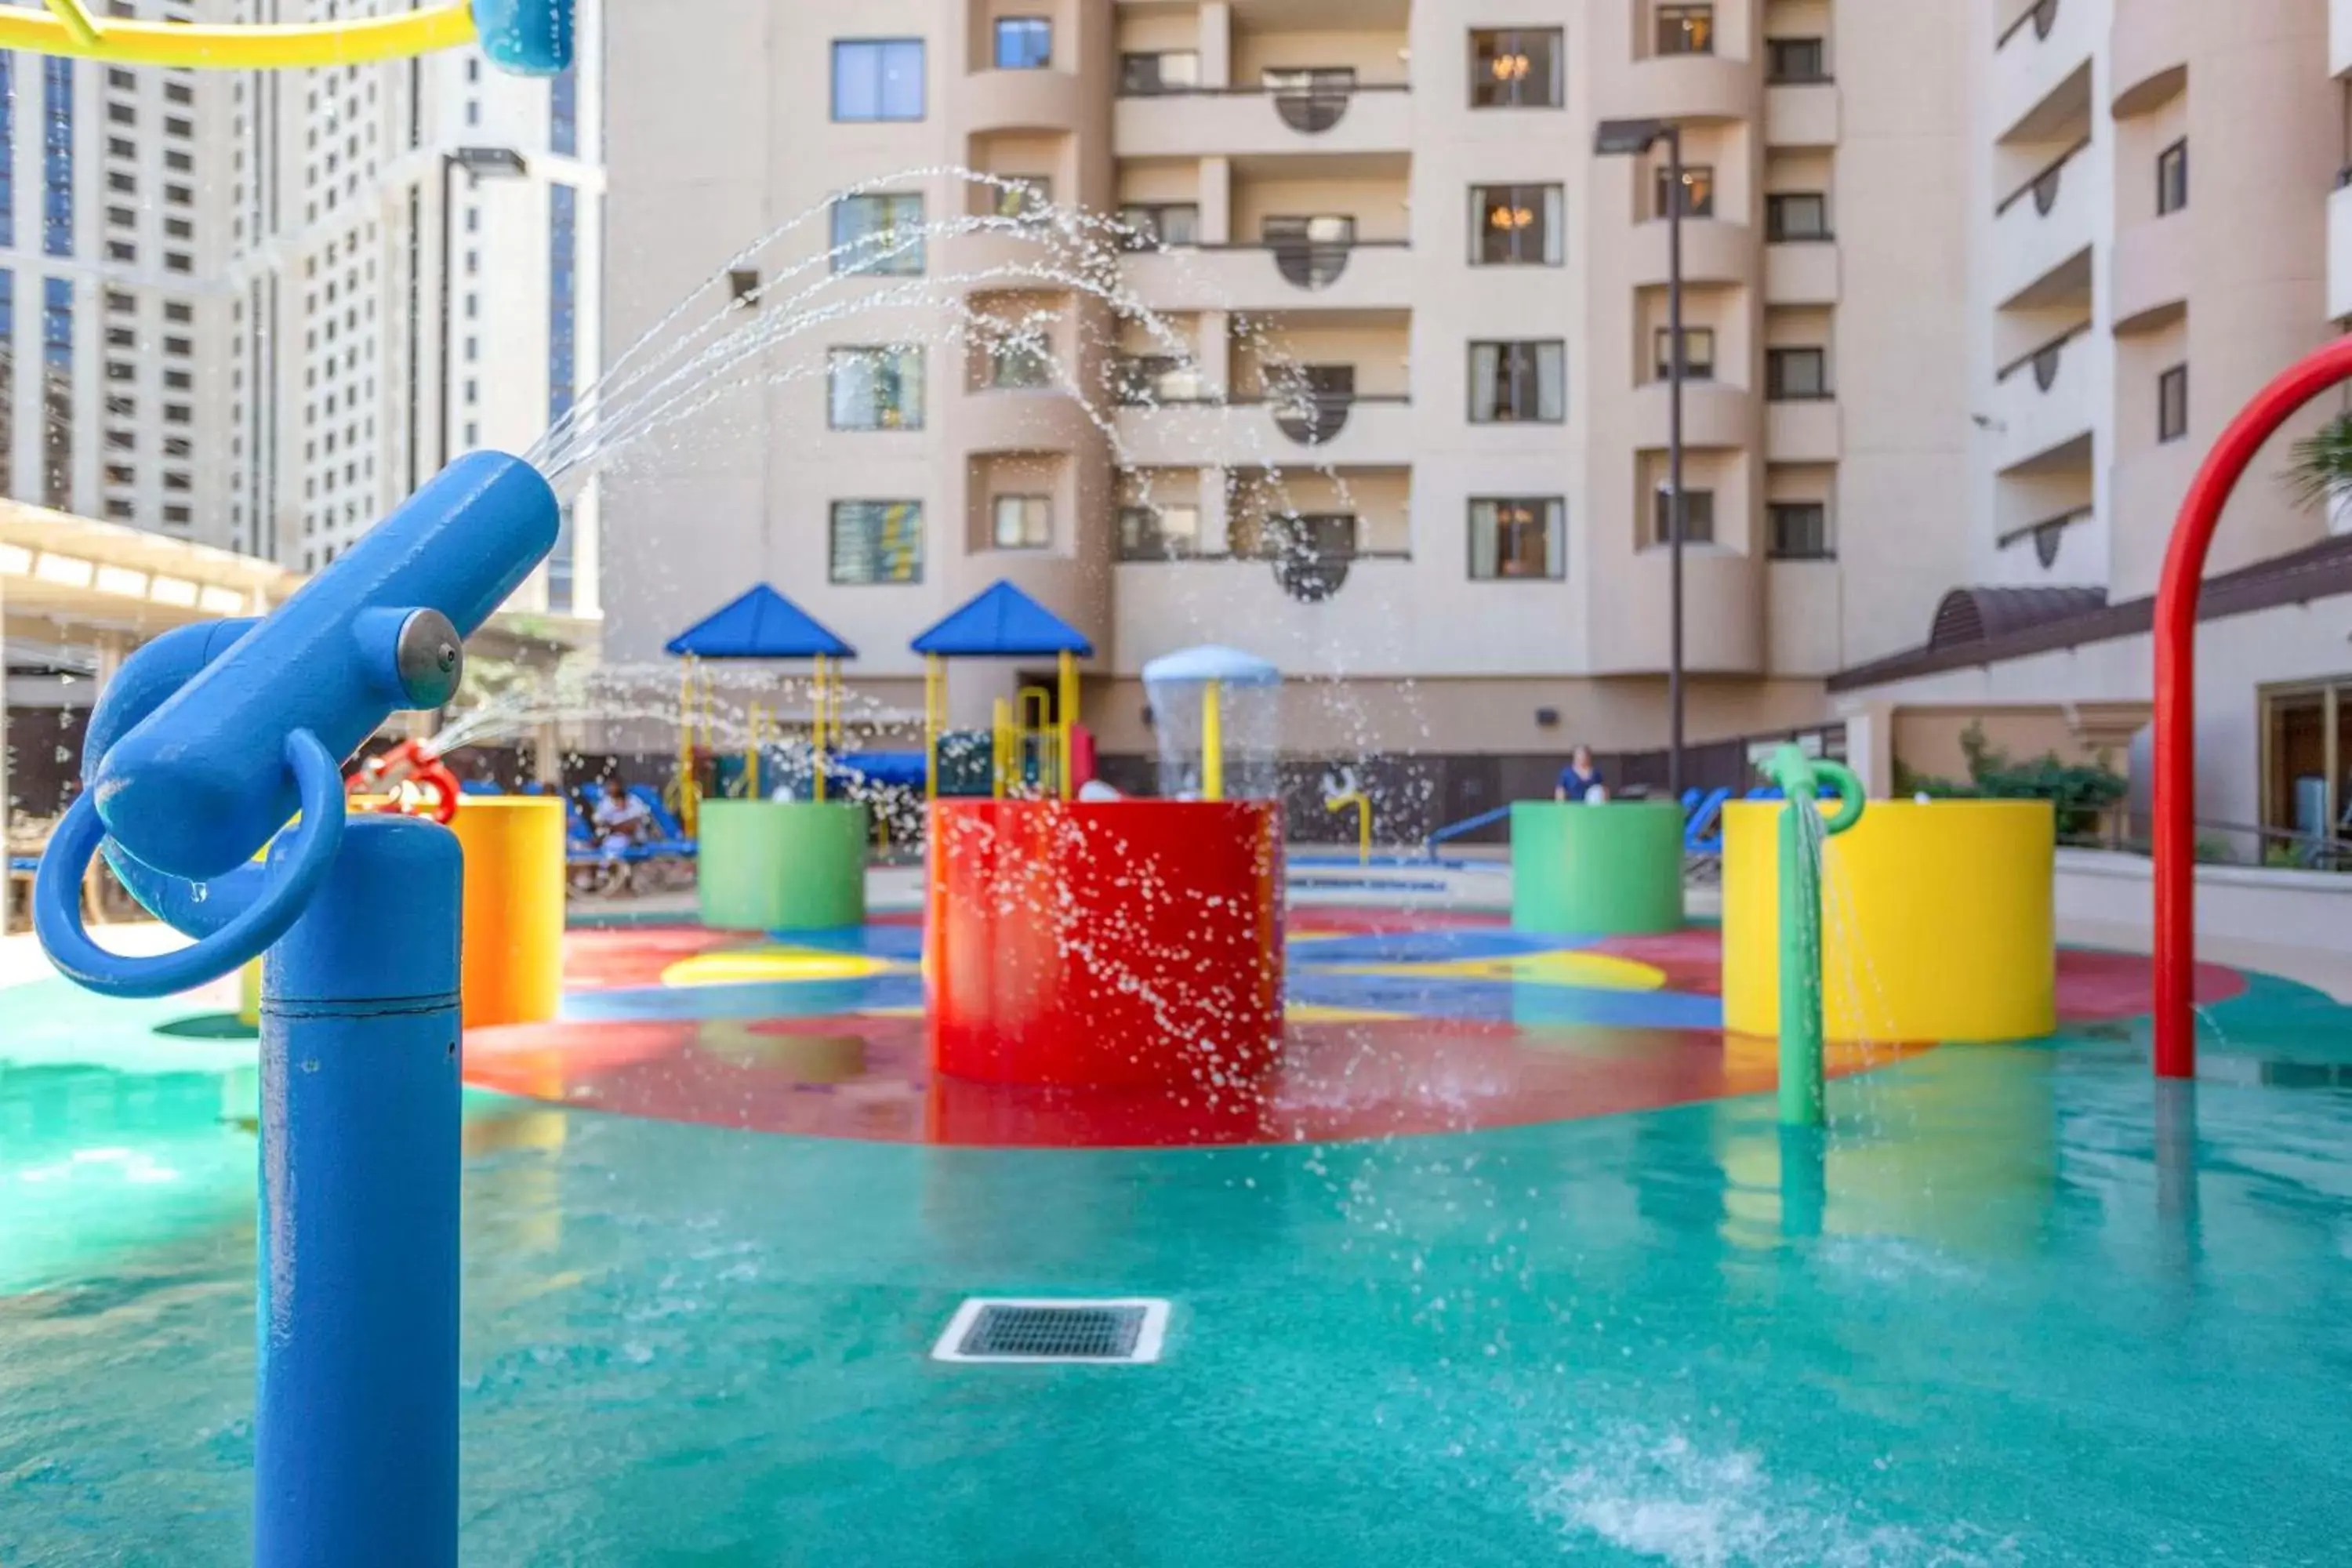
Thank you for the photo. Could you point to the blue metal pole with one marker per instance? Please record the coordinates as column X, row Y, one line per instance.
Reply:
column 356, row 1422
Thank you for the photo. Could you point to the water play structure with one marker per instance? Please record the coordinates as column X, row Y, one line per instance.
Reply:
column 202, row 749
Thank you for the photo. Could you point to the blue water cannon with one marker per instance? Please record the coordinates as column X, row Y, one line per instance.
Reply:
column 198, row 752
column 212, row 736
column 528, row 38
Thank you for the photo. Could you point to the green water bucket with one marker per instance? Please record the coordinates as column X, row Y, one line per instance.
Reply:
column 780, row 865
column 1611, row 869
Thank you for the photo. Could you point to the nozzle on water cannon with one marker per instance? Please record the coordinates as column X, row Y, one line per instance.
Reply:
column 195, row 783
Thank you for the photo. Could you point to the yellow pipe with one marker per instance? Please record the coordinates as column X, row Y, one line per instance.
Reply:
column 751, row 758
column 78, row 20
column 934, row 700
column 1001, row 734
column 1363, row 822
column 1069, row 711
column 816, row 733
column 1212, row 744
column 69, row 30
column 686, row 807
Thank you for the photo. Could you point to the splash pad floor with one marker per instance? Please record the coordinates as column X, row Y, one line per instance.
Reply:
column 1512, row 1266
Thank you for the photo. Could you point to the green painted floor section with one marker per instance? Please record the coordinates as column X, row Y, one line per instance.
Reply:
column 2006, row 1322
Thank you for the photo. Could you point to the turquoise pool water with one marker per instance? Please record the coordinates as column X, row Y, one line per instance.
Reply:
column 2007, row 1314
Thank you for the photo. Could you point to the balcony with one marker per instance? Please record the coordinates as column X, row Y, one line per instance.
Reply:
column 2041, row 68
column 1329, row 431
column 1282, row 276
column 1025, row 419
column 1800, row 114
column 2339, row 246
column 999, row 101
column 2043, row 407
column 1380, row 617
column 2150, row 274
column 1714, row 251
column 2042, row 231
column 1692, row 89
column 1715, row 415
column 1241, row 122
column 2147, row 54
column 2067, row 548
column 1801, row 430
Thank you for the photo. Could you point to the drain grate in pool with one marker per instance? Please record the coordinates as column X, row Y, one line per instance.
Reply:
column 1126, row 1332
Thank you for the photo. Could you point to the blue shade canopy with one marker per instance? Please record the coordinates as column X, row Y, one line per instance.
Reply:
column 763, row 624
column 1211, row 661
column 1002, row 623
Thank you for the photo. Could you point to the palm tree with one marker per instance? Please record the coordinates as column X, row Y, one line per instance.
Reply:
column 2322, row 470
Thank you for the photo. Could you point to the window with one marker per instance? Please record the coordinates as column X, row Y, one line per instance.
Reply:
column 1021, row 360
column 1698, row 191
column 1021, row 523
column 1698, row 517
column 1310, row 252
column 1515, row 226
column 57, row 158
column 1790, row 60
column 563, row 300
column 1517, row 536
column 116, row 180
column 1800, row 531
column 1793, row 376
column 2172, row 404
column 1170, row 70
column 1147, row 381
column 878, row 235
column 878, row 78
column 1698, row 353
column 1517, row 383
column 876, row 388
column 1796, row 215
column 1686, row 29
column 1168, row 533
column 1160, row 224
column 2172, row 178
column 1515, row 67
column 179, row 93
column 1023, row 43
column 742, row 288
column 877, row 542
column 180, row 163
column 563, row 112
column 1024, row 198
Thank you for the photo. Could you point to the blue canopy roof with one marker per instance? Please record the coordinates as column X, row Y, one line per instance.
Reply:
column 1211, row 661
column 1003, row 622
column 763, row 624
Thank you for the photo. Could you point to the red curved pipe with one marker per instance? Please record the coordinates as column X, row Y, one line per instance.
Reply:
column 2176, row 690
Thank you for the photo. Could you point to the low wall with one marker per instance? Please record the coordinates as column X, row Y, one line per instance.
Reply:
column 2309, row 909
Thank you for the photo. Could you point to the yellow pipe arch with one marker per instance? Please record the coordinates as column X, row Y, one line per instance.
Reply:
column 272, row 47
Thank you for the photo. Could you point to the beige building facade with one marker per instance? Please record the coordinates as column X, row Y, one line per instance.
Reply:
column 1381, row 391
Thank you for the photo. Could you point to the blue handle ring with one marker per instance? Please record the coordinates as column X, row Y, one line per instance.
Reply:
column 284, row 893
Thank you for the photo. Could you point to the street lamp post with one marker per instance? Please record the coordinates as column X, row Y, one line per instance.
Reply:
column 1632, row 138
column 494, row 162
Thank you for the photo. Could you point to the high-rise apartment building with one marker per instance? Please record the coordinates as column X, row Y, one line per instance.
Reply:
column 1401, row 421
column 256, row 310
column 111, row 323
column 1961, row 314
column 2149, row 216
column 413, row 261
